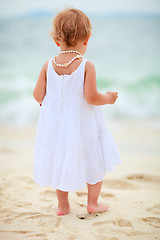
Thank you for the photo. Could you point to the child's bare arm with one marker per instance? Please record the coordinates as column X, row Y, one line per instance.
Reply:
column 91, row 94
column 40, row 88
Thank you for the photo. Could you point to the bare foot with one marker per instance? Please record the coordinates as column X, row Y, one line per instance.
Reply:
column 99, row 208
column 62, row 211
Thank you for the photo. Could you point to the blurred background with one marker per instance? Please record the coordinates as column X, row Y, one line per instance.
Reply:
column 124, row 46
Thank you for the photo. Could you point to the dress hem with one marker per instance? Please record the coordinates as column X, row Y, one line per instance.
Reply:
column 78, row 188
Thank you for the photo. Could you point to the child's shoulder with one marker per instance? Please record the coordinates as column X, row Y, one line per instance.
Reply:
column 90, row 67
column 45, row 65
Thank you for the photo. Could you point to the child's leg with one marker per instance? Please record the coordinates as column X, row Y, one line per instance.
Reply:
column 93, row 195
column 63, row 204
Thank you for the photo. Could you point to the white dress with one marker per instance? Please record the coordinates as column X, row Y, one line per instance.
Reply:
column 73, row 145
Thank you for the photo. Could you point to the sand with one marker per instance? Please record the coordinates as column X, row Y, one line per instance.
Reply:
column 132, row 191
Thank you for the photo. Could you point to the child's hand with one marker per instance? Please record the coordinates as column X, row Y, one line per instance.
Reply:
column 113, row 96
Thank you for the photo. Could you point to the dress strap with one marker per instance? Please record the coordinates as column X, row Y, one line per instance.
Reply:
column 84, row 64
column 49, row 64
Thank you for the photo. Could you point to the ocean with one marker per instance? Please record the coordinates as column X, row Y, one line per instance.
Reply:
column 124, row 49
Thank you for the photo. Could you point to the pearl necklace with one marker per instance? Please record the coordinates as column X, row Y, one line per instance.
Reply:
column 67, row 64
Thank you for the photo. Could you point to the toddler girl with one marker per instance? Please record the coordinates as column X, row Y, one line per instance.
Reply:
column 73, row 146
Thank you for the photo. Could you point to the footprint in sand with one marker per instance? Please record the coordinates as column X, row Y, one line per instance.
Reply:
column 100, row 224
column 51, row 224
column 19, row 234
column 121, row 226
column 130, row 232
column 102, row 194
column 26, row 214
column 28, row 233
column 33, row 215
column 155, row 209
column 6, row 210
column 83, row 216
column 7, row 220
column 152, row 221
column 108, row 195
column 16, row 231
column 145, row 178
column 22, row 204
column 119, row 184
column 126, row 227
column 48, row 193
column 59, row 219
column 7, row 215
column 48, row 208
column 40, row 216
column 122, row 222
column 37, row 235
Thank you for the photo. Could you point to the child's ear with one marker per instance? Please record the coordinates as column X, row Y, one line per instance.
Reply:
column 57, row 43
column 86, row 41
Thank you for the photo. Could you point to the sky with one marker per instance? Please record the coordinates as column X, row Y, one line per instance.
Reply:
column 19, row 7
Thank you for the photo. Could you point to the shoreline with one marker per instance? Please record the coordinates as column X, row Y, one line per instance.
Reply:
column 136, row 138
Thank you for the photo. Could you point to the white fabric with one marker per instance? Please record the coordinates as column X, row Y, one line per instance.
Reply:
column 73, row 145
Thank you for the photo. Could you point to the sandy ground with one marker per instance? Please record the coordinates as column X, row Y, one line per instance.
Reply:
column 132, row 191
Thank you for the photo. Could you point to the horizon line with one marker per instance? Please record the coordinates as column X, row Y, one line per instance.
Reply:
column 115, row 14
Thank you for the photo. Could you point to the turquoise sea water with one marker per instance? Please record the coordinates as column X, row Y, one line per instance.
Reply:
column 125, row 51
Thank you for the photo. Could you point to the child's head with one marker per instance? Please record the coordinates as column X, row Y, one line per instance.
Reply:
column 71, row 26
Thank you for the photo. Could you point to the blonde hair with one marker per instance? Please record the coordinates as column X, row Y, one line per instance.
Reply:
column 70, row 26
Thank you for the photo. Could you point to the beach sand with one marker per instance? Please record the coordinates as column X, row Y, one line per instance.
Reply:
column 132, row 191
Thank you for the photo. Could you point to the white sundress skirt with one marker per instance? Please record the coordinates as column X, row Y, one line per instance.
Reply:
column 70, row 153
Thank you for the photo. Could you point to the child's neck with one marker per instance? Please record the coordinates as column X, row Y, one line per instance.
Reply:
column 79, row 47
